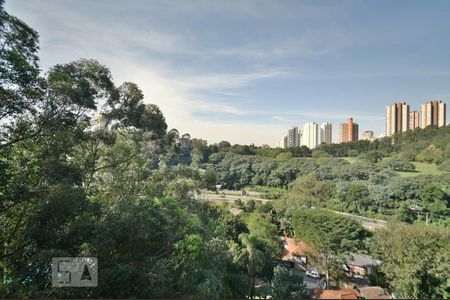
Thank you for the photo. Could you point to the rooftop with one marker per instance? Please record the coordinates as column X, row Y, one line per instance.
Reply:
column 362, row 260
column 295, row 248
column 374, row 292
column 336, row 294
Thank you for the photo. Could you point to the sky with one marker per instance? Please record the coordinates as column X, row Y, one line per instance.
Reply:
column 246, row 71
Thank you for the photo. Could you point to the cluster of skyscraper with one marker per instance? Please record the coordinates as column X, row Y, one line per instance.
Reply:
column 311, row 135
column 399, row 118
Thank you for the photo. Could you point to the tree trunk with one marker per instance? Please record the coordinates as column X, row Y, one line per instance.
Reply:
column 251, row 288
column 327, row 273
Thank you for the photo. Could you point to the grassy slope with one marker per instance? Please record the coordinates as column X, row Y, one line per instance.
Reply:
column 422, row 169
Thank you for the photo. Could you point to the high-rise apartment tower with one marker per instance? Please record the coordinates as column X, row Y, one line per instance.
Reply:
column 397, row 118
column 310, row 136
column 348, row 132
column 434, row 113
column 326, row 133
column 414, row 119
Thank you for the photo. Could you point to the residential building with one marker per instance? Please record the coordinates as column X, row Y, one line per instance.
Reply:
column 368, row 135
column 348, row 132
column 397, row 118
column 295, row 252
column 310, row 137
column 434, row 113
column 293, row 137
column 300, row 137
column 414, row 119
column 361, row 264
column 283, row 142
column 326, row 133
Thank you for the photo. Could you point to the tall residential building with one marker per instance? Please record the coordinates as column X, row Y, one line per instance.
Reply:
column 348, row 132
column 283, row 142
column 367, row 135
column 397, row 118
column 413, row 119
column 434, row 113
column 293, row 137
column 326, row 133
column 310, row 136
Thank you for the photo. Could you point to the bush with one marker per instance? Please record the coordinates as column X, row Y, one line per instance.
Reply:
column 445, row 166
column 430, row 155
column 398, row 164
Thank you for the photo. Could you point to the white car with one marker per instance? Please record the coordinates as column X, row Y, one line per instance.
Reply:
column 312, row 273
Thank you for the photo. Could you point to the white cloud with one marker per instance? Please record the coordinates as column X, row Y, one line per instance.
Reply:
column 141, row 54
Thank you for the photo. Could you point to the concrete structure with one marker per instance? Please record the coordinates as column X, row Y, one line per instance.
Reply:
column 310, row 137
column 397, row 118
column 293, row 137
column 367, row 135
column 434, row 113
column 361, row 264
column 348, row 132
column 414, row 119
column 283, row 142
column 326, row 133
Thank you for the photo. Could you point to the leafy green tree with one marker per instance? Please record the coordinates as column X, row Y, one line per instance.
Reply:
column 200, row 151
column 317, row 153
column 372, row 156
column 261, row 226
column 445, row 166
column 288, row 284
column 357, row 197
column 434, row 199
column 415, row 259
column 284, row 156
column 398, row 164
column 307, row 191
column 331, row 235
column 430, row 155
column 252, row 255
column 21, row 88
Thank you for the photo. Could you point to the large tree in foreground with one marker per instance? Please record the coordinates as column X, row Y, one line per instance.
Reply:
column 416, row 259
column 332, row 235
column 288, row 284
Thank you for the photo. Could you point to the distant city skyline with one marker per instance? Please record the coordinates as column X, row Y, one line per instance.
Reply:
column 399, row 117
column 245, row 71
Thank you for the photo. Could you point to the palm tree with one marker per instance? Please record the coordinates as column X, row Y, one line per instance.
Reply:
column 252, row 256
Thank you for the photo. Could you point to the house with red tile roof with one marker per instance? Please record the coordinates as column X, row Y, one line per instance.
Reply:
column 336, row 294
column 296, row 251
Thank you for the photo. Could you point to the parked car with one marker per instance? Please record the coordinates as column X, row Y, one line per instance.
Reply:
column 312, row 273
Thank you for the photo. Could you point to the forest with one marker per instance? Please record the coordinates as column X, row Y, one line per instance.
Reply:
column 87, row 168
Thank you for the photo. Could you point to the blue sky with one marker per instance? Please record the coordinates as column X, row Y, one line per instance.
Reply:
column 245, row 71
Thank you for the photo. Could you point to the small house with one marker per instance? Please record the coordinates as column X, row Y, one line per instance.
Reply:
column 295, row 251
column 361, row 264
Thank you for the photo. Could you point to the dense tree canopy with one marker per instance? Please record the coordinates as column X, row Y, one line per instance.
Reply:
column 416, row 260
column 332, row 235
